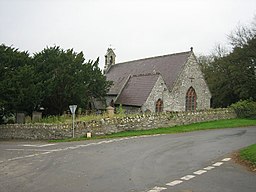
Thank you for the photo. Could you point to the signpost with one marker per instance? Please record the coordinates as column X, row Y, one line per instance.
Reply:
column 73, row 111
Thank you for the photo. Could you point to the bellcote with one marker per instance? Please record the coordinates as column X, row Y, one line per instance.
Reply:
column 110, row 58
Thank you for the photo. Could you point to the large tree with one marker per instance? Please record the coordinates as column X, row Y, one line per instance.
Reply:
column 232, row 76
column 65, row 78
column 17, row 83
column 53, row 79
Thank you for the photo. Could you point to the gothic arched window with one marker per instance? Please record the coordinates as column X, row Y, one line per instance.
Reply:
column 159, row 106
column 191, row 99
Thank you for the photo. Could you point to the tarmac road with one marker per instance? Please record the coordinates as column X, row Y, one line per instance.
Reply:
column 188, row 162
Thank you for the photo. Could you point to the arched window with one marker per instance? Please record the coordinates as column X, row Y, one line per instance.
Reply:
column 191, row 99
column 159, row 106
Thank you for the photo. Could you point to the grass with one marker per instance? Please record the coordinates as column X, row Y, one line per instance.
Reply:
column 249, row 154
column 220, row 124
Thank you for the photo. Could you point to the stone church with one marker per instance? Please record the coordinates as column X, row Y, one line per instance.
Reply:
column 171, row 82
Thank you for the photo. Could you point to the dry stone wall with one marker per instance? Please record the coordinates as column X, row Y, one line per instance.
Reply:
column 111, row 125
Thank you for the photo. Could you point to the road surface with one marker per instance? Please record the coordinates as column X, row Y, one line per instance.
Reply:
column 187, row 162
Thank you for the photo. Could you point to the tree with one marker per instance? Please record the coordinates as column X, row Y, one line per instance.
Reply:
column 66, row 79
column 53, row 79
column 17, row 83
column 232, row 76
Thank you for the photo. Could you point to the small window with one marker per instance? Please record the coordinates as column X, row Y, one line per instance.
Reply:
column 159, row 106
column 111, row 60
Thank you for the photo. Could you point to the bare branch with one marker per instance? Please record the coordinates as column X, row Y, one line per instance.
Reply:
column 240, row 36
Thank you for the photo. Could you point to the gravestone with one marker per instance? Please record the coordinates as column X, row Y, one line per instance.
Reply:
column 20, row 118
column 36, row 116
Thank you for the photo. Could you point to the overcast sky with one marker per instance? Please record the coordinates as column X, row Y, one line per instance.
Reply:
column 135, row 28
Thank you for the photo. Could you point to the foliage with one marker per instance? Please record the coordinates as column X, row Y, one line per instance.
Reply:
column 54, row 119
column 18, row 83
column 232, row 76
column 66, row 79
column 53, row 79
column 249, row 154
column 120, row 110
column 245, row 109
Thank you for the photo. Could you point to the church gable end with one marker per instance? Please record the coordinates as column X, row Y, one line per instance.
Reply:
column 190, row 90
column 158, row 97
column 137, row 89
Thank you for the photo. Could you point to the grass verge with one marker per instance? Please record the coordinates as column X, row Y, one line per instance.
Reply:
column 246, row 157
column 220, row 124
column 249, row 154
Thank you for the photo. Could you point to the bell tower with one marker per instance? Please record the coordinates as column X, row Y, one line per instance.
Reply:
column 110, row 59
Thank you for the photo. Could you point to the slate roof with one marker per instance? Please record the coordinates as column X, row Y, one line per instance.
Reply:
column 137, row 89
column 169, row 66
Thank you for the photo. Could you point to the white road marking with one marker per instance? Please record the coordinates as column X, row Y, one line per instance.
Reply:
column 28, row 150
column 226, row 159
column 217, row 164
column 45, row 145
column 46, row 152
column 157, row 189
column 28, row 145
column 91, row 144
column 173, row 183
column 200, row 172
column 29, row 155
column 145, row 136
column 15, row 158
column 75, row 147
column 209, row 168
column 187, row 177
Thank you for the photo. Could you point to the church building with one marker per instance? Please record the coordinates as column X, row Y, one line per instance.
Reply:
column 171, row 82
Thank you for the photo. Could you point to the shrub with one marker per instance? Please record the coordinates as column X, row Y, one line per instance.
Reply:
column 245, row 109
column 120, row 110
column 53, row 119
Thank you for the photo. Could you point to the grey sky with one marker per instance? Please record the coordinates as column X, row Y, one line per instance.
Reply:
column 135, row 28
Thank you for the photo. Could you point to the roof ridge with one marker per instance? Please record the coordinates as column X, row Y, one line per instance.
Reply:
column 146, row 74
column 179, row 53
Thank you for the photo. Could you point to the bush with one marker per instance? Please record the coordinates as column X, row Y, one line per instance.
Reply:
column 245, row 109
column 53, row 119
column 120, row 110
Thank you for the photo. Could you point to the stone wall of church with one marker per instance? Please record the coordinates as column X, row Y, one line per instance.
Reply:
column 159, row 91
column 191, row 76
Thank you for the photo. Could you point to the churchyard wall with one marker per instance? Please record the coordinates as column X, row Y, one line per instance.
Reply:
column 111, row 125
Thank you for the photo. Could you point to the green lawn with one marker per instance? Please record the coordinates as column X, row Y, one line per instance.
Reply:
column 220, row 124
column 249, row 154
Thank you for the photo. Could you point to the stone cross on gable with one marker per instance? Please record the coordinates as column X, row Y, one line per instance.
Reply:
column 191, row 79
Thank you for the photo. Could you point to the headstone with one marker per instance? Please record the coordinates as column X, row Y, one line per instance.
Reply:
column 20, row 118
column 36, row 116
